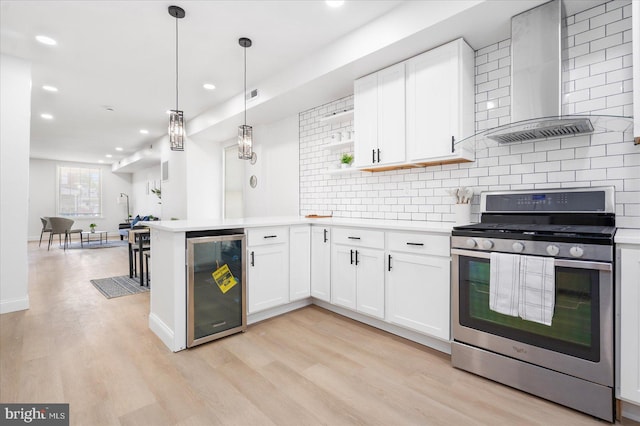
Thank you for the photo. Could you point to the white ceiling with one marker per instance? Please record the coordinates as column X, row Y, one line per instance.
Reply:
column 122, row 55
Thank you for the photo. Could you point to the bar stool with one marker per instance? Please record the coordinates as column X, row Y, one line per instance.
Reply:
column 147, row 256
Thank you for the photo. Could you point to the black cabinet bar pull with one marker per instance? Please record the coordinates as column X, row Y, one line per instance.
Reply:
column 354, row 238
column 453, row 141
column 253, row 259
column 378, row 155
column 356, row 257
column 389, row 266
column 352, row 257
column 373, row 155
column 270, row 236
column 325, row 235
column 415, row 244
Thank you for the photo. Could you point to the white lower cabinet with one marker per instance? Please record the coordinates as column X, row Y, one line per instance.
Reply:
column 357, row 270
column 418, row 283
column 268, row 268
column 299, row 262
column 321, row 263
column 629, row 267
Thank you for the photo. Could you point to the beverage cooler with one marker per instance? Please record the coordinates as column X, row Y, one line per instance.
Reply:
column 216, row 285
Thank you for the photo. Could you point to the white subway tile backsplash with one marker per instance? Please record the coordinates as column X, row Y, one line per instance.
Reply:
column 590, row 35
column 598, row 78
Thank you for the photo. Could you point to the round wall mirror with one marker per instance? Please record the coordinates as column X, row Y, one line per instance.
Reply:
column 253, row 181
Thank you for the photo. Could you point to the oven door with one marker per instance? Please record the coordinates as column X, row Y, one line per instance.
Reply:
column 580, row 340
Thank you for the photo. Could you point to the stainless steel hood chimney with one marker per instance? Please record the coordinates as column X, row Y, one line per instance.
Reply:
column 537, row 86
column 536, row 78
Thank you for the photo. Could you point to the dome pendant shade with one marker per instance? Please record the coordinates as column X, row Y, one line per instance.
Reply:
column 245, row 133
column 176, row 130
column 176, row 119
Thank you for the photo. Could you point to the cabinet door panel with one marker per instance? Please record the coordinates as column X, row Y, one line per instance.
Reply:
column 418, row 291
column 365, row 104
column 391, row 115
column 320, row 263
column 268, row 276
column 343, row 276
column 370, row 282
column 431, row 102
column 299, row 262
column 630, row 325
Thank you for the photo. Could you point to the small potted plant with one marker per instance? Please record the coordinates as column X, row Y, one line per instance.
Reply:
column 346, row 160
column 93, row 227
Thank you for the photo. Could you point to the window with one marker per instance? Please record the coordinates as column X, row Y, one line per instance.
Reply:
column 79, row 191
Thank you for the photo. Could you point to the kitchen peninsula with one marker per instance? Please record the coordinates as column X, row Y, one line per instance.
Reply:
column 321, row 264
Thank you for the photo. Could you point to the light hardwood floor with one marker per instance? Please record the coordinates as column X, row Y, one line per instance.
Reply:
column 304, row 368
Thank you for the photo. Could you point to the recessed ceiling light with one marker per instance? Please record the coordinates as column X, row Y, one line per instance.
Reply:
column 209, row 86
column 144, row 131
column 46, row 40
column 119, row 148
column 108, row 155
column 334, row 3
column 47, row 116
column 50, row 88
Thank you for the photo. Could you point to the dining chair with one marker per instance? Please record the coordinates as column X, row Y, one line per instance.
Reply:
column 61, row 226
column 45, row 228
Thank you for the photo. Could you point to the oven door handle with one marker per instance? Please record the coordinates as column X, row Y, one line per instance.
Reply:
column 564, row 263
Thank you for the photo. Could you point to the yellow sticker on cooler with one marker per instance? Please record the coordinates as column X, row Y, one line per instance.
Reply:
column 224, row 278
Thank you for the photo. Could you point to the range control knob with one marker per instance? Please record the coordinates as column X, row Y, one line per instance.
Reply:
column 518, row 247
column 553, row 250
column 576, row 251
column 487, row 244
column 471, row 243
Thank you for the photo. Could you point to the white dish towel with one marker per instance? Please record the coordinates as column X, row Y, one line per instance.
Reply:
column 504, row 283
column 537, row 289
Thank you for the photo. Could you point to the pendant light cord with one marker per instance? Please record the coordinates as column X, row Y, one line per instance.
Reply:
column 245, row 86
column 176, row 63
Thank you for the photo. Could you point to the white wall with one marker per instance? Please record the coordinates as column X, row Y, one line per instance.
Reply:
column 42, row 196
column 277, row 169
column 15, row 116
column 142, row 201
column 174, row 189
column 204, row 180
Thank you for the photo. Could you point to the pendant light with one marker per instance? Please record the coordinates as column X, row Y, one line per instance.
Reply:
column 245, row 133
column 176, row 119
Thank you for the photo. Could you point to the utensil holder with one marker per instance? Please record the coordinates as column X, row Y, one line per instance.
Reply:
column 463, row 214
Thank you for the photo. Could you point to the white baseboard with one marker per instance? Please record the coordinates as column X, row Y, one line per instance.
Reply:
column 14, row 305
column 163, row 332
column 432, row 342
column 278, row 310
column 631, row 411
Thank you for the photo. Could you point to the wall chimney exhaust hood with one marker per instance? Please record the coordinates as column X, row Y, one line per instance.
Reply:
column 536, row 84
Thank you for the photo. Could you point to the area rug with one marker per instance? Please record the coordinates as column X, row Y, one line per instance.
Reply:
column 96, row 244
column 118, row 286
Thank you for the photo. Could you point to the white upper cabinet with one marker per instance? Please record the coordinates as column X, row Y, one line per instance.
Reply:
column 379, row 118
column 440, row 101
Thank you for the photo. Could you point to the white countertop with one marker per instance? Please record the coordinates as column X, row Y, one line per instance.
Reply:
column 256, row 222
column 627, row 236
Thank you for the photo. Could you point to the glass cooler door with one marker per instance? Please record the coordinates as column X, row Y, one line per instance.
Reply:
column 216, row 301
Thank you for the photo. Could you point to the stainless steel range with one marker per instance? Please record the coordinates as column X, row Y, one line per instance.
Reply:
column 533, row 304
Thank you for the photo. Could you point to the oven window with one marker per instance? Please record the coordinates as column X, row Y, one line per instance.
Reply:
column 575, row 326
